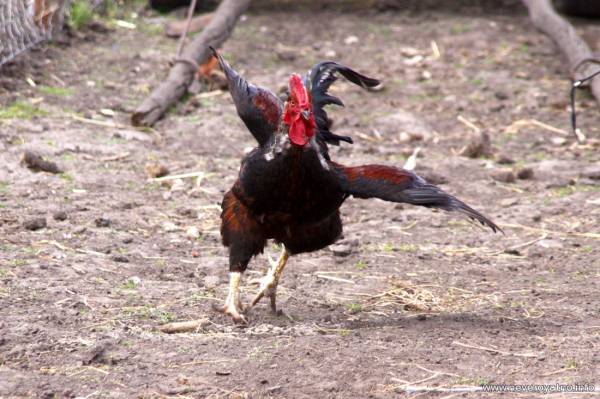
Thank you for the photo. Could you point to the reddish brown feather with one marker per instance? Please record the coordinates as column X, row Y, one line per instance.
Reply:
column 377, row 172
column 268, row 107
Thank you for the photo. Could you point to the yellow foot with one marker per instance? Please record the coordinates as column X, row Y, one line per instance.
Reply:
column 233, row 309
column 268, row 288
column 233, row 305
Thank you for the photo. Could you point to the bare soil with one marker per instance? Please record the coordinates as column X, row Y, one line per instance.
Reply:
column 423, row 298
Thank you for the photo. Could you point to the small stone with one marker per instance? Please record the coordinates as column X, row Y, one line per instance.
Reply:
column 503, row 175
column 525, row 173
column 550, row 244
column 536, row 217
column 169, row 227
column 351, row 40
column 120, row 259
column 504, row 159
column 35, row 224
column 508, row 202
column 192, row 232
column 127, row 240
column 102, row 222
column 156, row 169
column 500, row 95
column 60, row 216
column 558, row 141
column 134, row 280
column 341, row 249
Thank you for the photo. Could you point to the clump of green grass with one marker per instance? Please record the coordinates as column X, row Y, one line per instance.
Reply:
column 56, row 91
column 81, row 14
column 354, row 308
column 21, row 110
column 361, row 265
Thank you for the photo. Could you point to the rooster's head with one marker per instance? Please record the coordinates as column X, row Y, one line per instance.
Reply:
column 298, row 115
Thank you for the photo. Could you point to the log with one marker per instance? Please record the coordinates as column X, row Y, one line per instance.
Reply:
column 577, row 52
column 176, row 28
column 196, row 53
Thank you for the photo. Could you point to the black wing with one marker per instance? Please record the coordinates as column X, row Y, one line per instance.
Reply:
column 399, row 185
column 317, row 81
column 259, row 108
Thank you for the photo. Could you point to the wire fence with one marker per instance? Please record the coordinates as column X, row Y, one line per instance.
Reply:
column 25, row 23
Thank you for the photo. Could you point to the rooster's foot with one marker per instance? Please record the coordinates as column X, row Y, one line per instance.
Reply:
column 268, row 284
column 233, row 305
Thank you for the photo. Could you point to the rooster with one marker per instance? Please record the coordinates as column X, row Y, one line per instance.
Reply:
column 289, row 189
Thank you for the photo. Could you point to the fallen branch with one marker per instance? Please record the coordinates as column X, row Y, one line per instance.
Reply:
column 196, row 53
column 184, row 326
column 577, row 52
column 500, row 352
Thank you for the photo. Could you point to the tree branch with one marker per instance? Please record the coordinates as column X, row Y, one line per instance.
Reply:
column 196, row 53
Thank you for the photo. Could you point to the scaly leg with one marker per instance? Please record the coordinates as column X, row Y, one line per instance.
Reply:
column 268, row 284
column 233, row 305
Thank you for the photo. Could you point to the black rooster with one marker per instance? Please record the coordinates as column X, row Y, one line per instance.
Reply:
column 288, row 188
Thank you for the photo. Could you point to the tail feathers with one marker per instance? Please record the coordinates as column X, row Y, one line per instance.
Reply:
column 229, row 72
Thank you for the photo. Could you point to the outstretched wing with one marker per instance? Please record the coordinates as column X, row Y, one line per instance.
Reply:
column 317, row 81
column 259, row 108
column 399, row 185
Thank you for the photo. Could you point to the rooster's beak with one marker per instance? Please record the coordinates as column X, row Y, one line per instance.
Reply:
column 305, row 114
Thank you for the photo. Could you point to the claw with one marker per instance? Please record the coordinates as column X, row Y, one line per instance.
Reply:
column 234, row 311
column 268, row 284
column 233, row 305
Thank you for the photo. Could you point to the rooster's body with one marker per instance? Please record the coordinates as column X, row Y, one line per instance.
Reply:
column 288, row 188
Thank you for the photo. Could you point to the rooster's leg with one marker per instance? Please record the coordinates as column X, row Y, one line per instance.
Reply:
column 233, row 305
column 268, row 284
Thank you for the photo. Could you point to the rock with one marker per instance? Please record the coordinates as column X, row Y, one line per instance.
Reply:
column 134, row 280
column 35, row 224
column 60, row 215
column 36, row 163
column 550, row 244
column 501, row 95
column 169, row 227
column 480, row 146
column 156, row 169
column 525, row 173
column 192, row 232
column 351, row 40
column 341, row 249
column 504, row 159
column 120, row 259
column 508, row 202
column 102, row 222
column 558, row 141
column 503, row 175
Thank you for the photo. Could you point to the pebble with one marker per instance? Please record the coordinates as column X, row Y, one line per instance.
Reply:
column 192, row 232
column 525, row 173
column 341, row 249
column 35, row 224
column 60, row 216
column 503, row 175
column 102, row 222
column 120, row 259
column 504, row 159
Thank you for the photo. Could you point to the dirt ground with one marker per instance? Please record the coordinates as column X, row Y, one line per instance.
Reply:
column 412, row 298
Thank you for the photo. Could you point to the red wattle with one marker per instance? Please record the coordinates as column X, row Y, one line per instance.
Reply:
column 298, row 133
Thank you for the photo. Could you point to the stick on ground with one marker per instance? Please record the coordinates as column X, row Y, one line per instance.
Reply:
column 196, row 53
